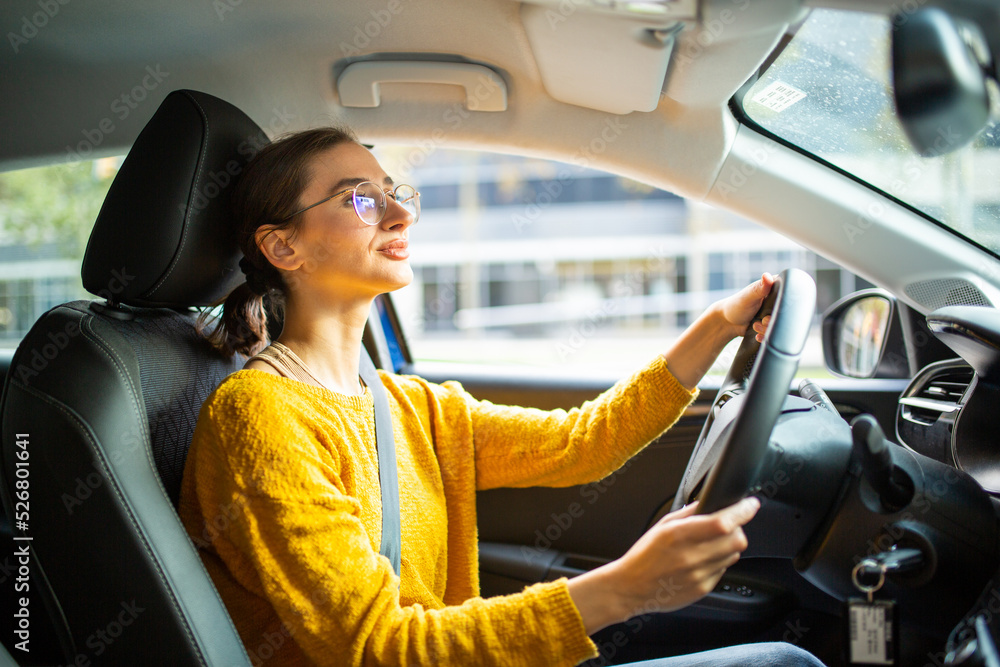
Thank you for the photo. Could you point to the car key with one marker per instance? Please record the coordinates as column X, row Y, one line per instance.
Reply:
column 872, row 625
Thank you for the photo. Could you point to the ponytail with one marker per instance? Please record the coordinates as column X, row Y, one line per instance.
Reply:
column 243, row 325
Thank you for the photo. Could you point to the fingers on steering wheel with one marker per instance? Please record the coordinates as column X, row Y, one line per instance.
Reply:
column 687, row 510
column 761, row 327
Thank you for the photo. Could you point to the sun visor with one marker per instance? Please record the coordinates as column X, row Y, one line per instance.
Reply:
column 599, row 60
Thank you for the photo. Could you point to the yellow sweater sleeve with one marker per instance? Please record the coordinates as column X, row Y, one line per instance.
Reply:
column 297, row 542
column 520, row 447
column 278, row 491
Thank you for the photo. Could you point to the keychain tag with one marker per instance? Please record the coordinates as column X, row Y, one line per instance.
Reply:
column 872, row 631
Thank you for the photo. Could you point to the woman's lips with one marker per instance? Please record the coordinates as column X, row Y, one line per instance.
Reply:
column 396, row 250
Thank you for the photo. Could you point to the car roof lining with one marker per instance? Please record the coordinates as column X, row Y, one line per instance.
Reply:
column 73, row 74
column 278, row 64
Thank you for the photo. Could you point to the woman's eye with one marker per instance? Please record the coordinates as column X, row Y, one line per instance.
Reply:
column 365, row 204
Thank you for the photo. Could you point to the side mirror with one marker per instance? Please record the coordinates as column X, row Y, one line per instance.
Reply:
column 863, row 337
column 938, row 82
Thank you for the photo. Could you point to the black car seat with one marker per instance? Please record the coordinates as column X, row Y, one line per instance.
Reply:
column 5, row 659
column 102, row 396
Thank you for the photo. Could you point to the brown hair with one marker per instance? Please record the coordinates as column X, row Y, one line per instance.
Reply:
column 266, row 193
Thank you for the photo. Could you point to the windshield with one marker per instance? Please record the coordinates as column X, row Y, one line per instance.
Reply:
column 829, row 93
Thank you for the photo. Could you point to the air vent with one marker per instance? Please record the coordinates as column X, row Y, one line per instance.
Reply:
column 934, row 294
column 949, row 386
column 929, row 406
column 939, row 393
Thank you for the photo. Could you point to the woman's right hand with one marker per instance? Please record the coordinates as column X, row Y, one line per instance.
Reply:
column 676, row 562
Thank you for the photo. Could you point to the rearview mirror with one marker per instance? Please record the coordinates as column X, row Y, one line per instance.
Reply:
column 939, row 84
column 863, row 337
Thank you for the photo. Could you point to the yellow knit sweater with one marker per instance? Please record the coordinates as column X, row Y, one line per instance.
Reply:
column 281, row 494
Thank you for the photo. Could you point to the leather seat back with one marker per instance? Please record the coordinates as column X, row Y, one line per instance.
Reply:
column 102, row 396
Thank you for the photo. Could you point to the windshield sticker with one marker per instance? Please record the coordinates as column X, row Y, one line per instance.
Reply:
column 778, row 96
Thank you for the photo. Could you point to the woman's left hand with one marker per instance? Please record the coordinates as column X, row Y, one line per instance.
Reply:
column 738, row 310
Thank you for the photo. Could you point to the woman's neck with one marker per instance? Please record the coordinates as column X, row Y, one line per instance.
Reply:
column 327, row 337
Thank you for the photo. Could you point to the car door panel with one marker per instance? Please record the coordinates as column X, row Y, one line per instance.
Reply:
column 538, row 534
column 603, row 518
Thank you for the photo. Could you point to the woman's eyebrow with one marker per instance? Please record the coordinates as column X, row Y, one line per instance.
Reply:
column 351, row 182
column 345, row 183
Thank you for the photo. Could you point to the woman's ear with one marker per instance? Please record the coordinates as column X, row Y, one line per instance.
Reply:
column 276, row 246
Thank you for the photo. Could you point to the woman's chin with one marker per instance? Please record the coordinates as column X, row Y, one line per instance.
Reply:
column 402, row 277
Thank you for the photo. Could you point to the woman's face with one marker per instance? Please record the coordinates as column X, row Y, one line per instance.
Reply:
column 340, row 255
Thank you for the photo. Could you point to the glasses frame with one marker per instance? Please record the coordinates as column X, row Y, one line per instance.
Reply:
column 354, row 194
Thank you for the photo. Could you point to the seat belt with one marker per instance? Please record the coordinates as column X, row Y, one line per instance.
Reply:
column 391, row 546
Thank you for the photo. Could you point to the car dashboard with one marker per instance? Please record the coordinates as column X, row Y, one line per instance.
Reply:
column 947, row 412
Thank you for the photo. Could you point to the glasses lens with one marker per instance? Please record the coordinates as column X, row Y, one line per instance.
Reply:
column 369, row 202
column 409, row 199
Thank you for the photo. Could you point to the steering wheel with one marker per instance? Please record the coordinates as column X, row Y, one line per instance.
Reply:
column 726, row 461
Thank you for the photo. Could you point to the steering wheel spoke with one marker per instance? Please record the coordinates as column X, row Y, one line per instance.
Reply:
column 726, row 459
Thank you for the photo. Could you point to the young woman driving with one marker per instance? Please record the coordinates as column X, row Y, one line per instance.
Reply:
column 281, row 485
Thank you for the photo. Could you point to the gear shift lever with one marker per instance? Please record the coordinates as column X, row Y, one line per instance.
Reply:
column 876, row 463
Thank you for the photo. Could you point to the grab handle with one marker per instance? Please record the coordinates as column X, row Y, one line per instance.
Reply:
column 359, row 85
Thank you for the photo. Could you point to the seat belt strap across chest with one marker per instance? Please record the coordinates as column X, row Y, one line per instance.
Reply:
column 391, row 546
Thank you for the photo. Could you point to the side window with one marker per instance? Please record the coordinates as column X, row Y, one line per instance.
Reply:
column 516, row 260
column 525, row 261
column 46, row 215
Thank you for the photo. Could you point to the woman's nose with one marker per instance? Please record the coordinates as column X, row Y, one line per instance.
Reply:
column 396, row 215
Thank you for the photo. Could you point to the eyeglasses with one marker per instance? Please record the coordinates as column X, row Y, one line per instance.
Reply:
column 370, row 201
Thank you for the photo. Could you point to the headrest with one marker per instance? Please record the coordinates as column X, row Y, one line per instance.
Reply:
column 164, row 236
